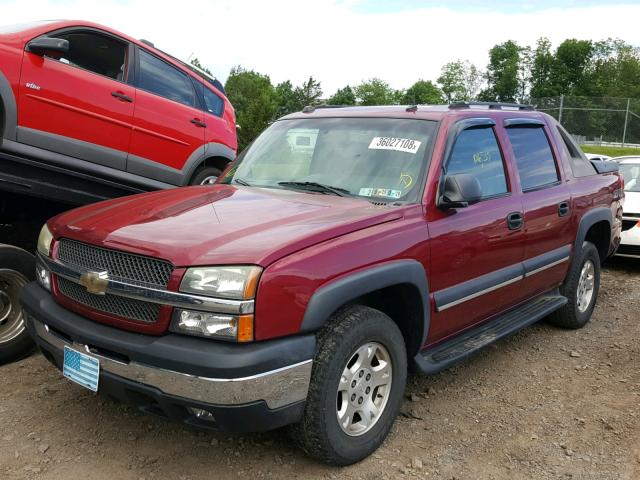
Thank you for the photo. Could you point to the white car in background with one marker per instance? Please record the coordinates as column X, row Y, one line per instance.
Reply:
column 597, row 156
column 630, row 242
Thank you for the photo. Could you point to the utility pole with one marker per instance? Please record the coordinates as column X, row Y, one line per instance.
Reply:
column 561, row 107
column 626, row 120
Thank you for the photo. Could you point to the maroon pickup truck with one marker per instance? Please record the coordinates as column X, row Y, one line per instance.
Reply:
column 344, row 248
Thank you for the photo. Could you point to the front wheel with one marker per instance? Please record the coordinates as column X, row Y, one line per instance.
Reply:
column 581, row 289
column 357, row 385
column 16, row 270
column 205, row 176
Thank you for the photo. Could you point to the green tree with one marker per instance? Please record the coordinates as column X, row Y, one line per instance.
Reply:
column 543, row 70
column 423, row 92
column 308, row 93
column 502, row 73
column 196, row 63
column 253, row 98
column 570, row 74
column 375, row 92
column 289, row 99
column 285, row 99
column 459, row 81
column 344, row 96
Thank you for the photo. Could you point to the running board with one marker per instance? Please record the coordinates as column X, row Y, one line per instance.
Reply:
column 461, row 347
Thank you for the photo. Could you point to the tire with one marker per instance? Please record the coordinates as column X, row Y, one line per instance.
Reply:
column 17, row 267
column 575, row 314
column 204, row 176
column 319, row 433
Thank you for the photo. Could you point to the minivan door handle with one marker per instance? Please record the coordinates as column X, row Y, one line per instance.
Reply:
column 563, row 209
column 122, row 97
column 515, row 220
column 198, row 123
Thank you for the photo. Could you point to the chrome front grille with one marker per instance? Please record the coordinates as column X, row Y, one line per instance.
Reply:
column 122, row 265
column 110, row 304
column 127, row 267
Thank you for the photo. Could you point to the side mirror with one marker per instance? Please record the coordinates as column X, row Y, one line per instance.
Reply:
column 46, row 45
column 460, row 191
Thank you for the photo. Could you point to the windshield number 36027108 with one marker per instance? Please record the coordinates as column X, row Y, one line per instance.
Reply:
column 392, row 143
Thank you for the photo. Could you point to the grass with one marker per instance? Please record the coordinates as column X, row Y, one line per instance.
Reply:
column 611, row 151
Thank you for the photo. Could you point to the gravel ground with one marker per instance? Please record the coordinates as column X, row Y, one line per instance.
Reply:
column 545, row 403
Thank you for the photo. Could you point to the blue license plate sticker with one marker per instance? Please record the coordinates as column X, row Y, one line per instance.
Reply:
column 81, row 369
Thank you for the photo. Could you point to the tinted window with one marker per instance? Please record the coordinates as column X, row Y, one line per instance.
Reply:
column 533, row 156
column 94, row 52
column 160, row 78
column 476, row 152
column 212, row 102
column 580, row 165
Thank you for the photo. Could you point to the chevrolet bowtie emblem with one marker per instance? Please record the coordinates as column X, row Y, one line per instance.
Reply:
column 95, row 282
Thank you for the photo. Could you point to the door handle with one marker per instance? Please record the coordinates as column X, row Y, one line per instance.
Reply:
column 563, row 209
column 515, row 220
column 198, row 123
column 122, row 97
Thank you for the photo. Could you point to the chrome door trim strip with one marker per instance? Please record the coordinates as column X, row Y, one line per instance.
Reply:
column 478, row 294
column 545, row 267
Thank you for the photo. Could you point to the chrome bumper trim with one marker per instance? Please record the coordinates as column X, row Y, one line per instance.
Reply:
column 151, row 294
column 277, row 388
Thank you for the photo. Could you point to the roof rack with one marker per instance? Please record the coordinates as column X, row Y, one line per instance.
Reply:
column 490, row 105
column 312, row 108
column 147, row 43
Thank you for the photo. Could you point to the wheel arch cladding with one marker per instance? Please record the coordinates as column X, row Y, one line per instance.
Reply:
column 200, row 157
column 9, row 111
column 595, row 227
column 399, row 289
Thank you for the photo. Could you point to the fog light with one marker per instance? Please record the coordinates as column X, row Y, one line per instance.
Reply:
column 44, row 277
column 214, row 325
column 202, row 414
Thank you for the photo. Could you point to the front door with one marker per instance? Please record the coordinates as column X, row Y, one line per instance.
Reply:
column 79, row 104
column 476, row 253
column 169, row 125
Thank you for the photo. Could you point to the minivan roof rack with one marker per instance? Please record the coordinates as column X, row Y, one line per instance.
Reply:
column 490, row 105
column 312, row 108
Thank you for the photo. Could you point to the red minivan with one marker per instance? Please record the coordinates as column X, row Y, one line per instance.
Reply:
column 85, row 98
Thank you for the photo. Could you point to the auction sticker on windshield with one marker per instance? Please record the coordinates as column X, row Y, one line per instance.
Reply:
column 392, row 143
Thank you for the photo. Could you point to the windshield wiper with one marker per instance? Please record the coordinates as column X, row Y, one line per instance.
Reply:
column 242, row 182
column 317, row 187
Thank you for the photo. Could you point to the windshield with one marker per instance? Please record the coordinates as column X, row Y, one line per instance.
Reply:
column 381, row 159
column 631, row 174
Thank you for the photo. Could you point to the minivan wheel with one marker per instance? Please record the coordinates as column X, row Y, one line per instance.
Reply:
column 16, row 270
column 581, row 289
column 205, row 176
column 357, row 384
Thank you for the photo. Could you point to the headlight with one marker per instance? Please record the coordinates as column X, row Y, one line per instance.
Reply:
column 213, row 325
column 238, row 283
column 44, row 241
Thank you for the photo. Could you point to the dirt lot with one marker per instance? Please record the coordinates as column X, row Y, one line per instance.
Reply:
column 545, row 403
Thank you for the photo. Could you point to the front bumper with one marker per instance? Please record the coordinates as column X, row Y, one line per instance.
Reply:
column 630, row 240
column 250, row 387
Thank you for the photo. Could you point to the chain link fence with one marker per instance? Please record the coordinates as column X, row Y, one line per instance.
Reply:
column 596, row 120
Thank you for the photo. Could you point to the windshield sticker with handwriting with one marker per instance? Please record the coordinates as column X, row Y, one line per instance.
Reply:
column 380, row 192
column 406, row 145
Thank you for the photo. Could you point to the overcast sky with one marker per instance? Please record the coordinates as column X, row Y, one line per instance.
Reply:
column 341, row 42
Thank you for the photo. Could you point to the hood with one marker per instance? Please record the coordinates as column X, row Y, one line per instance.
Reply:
column 631, row 202
column 220, row 224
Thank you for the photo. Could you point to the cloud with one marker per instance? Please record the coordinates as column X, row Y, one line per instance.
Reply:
column 337, row 42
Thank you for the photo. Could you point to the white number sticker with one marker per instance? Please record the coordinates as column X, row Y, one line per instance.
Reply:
column 392, row 143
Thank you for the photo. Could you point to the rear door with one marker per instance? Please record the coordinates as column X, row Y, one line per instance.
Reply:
column 549, row 233
column 79, row 104
column 476, row 256
column 168, row 123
